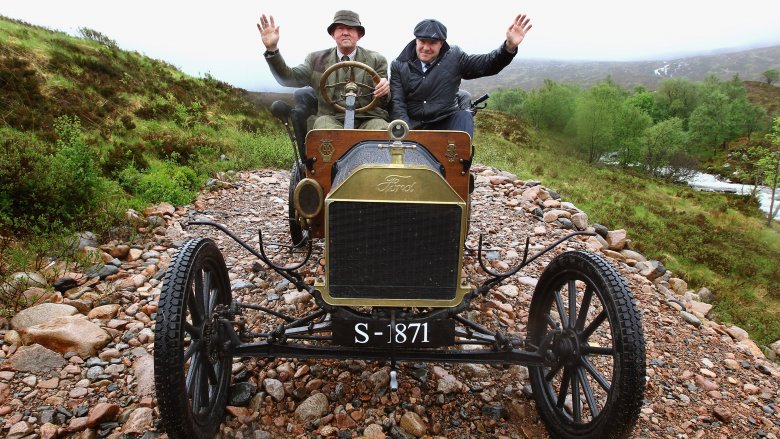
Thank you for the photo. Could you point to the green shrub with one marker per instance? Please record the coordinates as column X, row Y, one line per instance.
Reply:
column 123, row 155
column 164, row 181
column 41, row 184
column 262, row 149
column 91, row 34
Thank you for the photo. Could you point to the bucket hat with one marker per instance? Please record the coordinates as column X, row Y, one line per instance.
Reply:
column 347, row 18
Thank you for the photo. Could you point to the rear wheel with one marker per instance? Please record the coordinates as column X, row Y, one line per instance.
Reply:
column 592, row 382
column 296, row 232
column 191, row 362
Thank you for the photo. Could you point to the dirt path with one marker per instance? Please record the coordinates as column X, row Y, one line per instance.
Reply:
column 701, row 382
column 703, row 379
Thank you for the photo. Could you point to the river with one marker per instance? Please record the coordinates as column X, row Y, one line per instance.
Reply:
column 709, row 182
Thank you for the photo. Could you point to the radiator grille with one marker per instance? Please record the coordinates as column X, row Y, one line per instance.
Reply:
column 393, row 250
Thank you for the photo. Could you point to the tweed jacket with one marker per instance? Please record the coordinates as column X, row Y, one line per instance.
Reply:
column 420, row 98
column 310, row 72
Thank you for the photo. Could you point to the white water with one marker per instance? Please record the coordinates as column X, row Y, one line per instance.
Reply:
column 709, row 182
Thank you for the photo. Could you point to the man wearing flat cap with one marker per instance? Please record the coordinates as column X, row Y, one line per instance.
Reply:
column 346, row 30
column 425, row 78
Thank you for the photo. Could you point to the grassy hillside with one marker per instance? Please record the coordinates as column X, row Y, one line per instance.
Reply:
column 115, row 123
column 711, row 240
column 88, row 130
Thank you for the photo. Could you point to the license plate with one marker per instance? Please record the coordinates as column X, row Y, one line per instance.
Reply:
column 381, row 333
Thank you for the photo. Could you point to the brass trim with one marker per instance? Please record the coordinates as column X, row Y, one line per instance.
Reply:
column 326, row 150
column 296, row 197
column 452, row 151
column 420, row 185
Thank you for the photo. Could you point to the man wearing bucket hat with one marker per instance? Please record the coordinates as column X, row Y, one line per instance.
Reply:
column 425, row 78
column 346, row 30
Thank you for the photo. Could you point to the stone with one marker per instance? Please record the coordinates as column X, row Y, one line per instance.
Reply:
column 449, row 384
column 750, row 347
column 40, row 314
column 374, row 431
column 49, row 431
column 35, row 359
column 699, row 307
column 275, row 388
column 630, row 254
column 723, row 414
column 705, row 384
column 139, row 421
column 651, row 269
column 690, row 318
column 69, row 334
column 102, row 412
column 379, row 380
column 706, row 295
column 580, row 220
column 311, row 408
column 104, row 312
column 295, row 296
column 23, row 280
column 64, row 283
column 678, row 285
column 413, row 424
column 20, row 430
column 775, row 347
column 143, row 368
column 616, row 239
column 737, row 333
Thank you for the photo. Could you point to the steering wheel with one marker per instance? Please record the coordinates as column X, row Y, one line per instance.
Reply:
column 349, row 83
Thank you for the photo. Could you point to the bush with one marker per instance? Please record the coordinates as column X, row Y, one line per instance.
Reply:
column 263, row 149
column 91, row 34
column 165, row 181
column 41, row 184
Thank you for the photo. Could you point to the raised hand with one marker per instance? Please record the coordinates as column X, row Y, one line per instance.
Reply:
column 269, row 31
column 517, row 31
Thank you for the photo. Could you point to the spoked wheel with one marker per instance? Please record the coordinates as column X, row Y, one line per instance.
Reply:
column 296, row 232
column 191, row 366
column 592, row 382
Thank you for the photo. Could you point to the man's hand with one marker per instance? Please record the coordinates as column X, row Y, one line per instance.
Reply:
column 382, row 88
column 269, row 31
column 517, row 31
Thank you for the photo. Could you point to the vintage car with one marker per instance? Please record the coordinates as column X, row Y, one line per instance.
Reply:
column 391, row 210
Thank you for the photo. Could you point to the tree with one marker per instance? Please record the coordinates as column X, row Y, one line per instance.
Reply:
column 724, row 113
column 552, row 106
column 755, row 119
column 660, row 143
column 771, row 76
column 594, row 116
column 509, row 100
column 708, row 123
column 629, row 125
column 677, row 98
column 770, row 164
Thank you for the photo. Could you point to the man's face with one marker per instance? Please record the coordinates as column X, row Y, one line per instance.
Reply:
column 428, row 50
column 346, row 38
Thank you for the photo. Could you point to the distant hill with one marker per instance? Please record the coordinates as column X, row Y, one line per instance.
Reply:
column 117, row 94
column 530, row 74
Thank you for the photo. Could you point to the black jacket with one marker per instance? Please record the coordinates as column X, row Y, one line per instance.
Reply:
column 419, row 97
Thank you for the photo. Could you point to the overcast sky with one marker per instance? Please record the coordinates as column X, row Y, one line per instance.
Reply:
column 222, row 39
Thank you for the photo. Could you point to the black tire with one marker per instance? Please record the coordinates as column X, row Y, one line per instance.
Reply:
column 592, row 383
column 297, row 173
column 191, row 370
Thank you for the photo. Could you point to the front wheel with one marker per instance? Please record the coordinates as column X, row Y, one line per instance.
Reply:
column 191, row 362
column 584, row 320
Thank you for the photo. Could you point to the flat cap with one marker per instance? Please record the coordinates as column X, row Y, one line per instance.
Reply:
column 430, row 29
